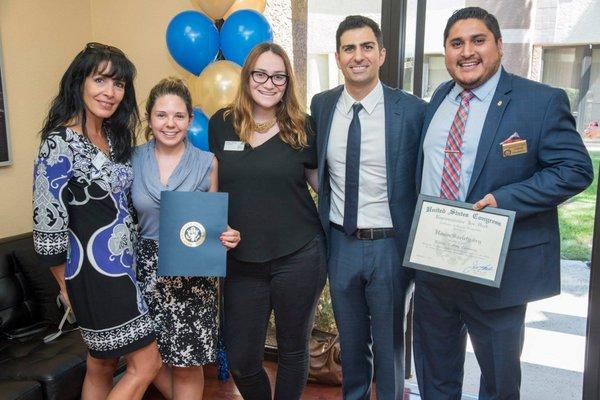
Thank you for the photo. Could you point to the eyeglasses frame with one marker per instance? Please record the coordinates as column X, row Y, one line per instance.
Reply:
column 287, row 77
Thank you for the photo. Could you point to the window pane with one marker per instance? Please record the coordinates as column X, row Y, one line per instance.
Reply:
column 562, row 68
column 409, row 47
column 591, row 101
column 434, row 74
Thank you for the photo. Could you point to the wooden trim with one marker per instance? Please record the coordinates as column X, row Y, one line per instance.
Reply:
column 14, row 238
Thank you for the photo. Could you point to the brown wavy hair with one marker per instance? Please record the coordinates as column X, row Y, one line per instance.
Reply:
column 290, row 116
column 170, row 85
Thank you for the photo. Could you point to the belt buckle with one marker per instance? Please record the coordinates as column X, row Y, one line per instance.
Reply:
column 360, row 234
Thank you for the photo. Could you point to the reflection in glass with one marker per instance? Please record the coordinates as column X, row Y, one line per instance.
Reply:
column 562, row 68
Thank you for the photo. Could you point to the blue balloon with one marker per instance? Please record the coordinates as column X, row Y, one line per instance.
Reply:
column 241, row 31
column 192, row 40
column 198, row 130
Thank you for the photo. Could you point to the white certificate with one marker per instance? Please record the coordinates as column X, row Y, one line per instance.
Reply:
column 450, row 238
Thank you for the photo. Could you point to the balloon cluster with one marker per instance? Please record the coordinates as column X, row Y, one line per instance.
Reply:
column 215, row 56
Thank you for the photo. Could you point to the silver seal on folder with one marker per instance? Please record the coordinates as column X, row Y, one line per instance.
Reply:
column 192, row 234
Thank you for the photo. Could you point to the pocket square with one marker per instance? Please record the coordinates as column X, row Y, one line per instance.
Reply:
column 512, row 138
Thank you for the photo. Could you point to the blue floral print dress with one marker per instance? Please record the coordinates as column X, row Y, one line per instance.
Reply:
column 81, row 216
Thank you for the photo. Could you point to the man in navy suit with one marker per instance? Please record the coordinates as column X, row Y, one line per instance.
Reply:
column 467, row 156
column 367, row 144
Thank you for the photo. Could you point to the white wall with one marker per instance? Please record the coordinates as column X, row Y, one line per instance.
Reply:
column 567, row 22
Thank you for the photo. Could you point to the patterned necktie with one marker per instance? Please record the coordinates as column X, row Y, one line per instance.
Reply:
column 352, row 168
column 451, row 172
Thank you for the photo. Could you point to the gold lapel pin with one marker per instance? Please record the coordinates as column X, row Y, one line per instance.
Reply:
column 499, row 103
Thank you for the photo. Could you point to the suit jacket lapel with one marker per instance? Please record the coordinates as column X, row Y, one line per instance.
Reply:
column 394, row 117
column 326, row 119
column 490, row 126
column 438, row 96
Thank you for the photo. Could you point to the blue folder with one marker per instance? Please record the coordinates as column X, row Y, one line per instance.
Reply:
column 190, row 226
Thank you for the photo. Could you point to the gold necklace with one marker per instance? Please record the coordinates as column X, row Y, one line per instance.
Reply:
column 263, row 127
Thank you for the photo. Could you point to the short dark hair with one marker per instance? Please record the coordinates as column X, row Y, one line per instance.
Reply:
column 488, row 19
column 357, row 22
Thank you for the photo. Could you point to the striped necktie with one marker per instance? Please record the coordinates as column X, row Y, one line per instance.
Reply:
column 451, row 172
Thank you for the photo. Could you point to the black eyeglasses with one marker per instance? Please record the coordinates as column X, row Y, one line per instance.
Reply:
column 262, row 77
column 101, row 46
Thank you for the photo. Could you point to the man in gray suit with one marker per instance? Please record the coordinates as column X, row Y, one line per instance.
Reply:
column 367, row 143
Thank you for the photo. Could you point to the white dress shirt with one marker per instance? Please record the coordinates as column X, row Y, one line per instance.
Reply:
column 373, row 206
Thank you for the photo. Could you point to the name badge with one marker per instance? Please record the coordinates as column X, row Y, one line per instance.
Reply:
column 231, row 145
column 514, row 145
column 514, row 148
column 99, row 160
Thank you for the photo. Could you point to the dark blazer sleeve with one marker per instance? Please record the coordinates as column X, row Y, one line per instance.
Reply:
column 311, row 126
column 566, row 168
column 314, row 108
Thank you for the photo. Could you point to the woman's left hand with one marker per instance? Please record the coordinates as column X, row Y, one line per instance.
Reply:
column 230, row 238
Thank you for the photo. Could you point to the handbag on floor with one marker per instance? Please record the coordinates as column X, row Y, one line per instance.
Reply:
column 324, row 358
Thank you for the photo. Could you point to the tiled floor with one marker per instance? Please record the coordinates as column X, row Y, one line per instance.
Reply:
column 215, row 390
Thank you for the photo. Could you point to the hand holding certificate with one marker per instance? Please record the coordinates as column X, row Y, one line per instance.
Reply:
column 450, row 238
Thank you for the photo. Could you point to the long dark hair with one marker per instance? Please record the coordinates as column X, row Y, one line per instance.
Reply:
column 68, row 105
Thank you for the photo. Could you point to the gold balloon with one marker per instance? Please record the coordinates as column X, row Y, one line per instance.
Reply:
column 216, row 86
column 214, row 8
column 258, row 5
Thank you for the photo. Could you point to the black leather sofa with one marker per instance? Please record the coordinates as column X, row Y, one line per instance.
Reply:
column 30, row 368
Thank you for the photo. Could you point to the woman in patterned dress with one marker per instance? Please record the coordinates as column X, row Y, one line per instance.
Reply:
column 184, row 308
column 83, row 229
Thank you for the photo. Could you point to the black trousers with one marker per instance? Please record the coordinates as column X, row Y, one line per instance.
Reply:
column 289, row 286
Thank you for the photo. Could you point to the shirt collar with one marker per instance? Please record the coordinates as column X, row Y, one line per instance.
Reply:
column 368, row 103
column 481, row 91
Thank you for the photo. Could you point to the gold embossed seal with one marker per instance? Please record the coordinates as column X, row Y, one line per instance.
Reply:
column 192, row 234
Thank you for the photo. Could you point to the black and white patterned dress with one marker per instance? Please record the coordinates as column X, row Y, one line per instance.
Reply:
column 184, row 308
column 81, row 216
column 184, row 311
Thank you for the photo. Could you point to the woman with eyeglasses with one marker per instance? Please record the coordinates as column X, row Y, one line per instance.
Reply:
column 82, row 225
column 266, row 151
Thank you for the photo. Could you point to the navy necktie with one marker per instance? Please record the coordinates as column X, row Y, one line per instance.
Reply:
column 352, row 168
